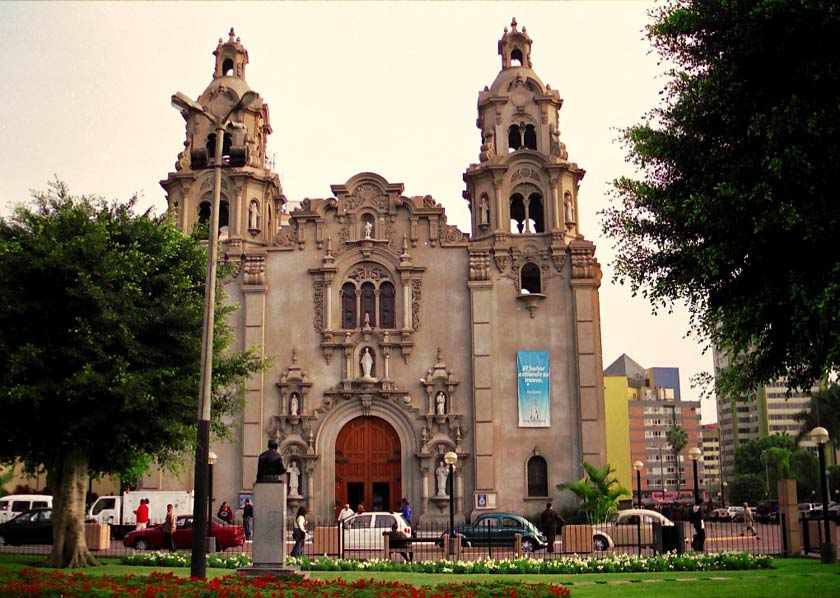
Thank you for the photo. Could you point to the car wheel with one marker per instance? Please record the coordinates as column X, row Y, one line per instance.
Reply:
column 464, row 542
column 600, row 543
column 141, row 544
column 3, row 541
column 528, row 545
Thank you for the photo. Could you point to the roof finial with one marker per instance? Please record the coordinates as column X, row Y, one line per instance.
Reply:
column 513, row 23
column 232, row 36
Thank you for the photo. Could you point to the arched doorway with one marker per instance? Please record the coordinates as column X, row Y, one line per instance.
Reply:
column 367, row 465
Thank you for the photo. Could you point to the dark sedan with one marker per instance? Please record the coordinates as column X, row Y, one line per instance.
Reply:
column 500, row 529
column 30, row 527
column 227, row 536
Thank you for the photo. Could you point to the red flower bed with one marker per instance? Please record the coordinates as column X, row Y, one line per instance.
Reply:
column 57, row 584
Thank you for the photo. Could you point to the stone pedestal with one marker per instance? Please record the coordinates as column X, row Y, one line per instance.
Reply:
column 269, row 531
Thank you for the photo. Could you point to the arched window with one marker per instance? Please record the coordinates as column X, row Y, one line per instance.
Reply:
column 517, row 214
column 348, row 306
column 516, row 56
column 514, row 138
column 386, row 305
column 530, row 137
column 204, row 212
column 537, row 476
column 224, row 214
column 535, row 213
column 530, row 278
column 368, row 305
column 227, row 141
column 227, row 67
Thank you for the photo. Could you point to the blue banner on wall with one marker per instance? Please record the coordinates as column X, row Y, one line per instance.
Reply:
column 533, row 373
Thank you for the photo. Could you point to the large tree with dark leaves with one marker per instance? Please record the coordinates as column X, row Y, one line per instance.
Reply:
column 100, row 337
column 736, row 211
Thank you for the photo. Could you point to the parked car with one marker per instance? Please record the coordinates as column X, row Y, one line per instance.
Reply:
column 363, row 531
column 30, row 527
column 151, row 538
column 500, row 529
column 720, row 514
column 767, row 511
column 817, row 513
column 623, row 529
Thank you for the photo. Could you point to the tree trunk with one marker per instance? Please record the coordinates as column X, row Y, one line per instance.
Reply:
column 69, row 480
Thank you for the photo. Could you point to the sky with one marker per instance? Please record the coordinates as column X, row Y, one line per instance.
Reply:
column 385, row 87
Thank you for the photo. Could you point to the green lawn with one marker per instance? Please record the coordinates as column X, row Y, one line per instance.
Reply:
column 789, row 579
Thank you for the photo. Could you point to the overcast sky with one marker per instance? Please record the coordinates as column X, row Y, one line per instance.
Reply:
column 387, row 87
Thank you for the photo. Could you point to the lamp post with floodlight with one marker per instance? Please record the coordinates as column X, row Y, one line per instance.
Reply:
column 828, row 550
column 638, row 465
column 694, row 454
column 220, row 118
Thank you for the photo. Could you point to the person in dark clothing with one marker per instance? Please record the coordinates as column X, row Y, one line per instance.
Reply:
column 551, row 522
column 698, row 521
column 248, row 519
column 398, row 539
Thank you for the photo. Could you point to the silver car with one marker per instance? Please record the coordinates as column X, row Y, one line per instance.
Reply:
column 624, row 529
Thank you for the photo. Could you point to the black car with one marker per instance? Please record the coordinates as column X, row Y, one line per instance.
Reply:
column 30, row 527
column 500, row 529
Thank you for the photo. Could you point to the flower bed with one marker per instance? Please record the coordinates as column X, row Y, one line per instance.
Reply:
column 618, row 563
column 55, row 584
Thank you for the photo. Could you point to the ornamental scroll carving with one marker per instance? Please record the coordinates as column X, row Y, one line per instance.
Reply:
column 583, row 262
column 416, row 287
column 480, row 266
column 254, row 270
column 367, row 193
column 285, row 237
column 318, row 304
column 526, row 173
column 369, row 272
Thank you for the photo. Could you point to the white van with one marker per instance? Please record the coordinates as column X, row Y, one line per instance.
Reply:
column 13, row 505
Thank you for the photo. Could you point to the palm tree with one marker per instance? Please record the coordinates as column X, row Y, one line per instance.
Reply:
column 598, row 492
column 823, row 410
column 677, row 438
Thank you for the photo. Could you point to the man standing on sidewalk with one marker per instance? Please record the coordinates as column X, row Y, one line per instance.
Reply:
column 550, row 520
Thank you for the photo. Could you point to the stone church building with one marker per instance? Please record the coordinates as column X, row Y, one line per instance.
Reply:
column 396, row 338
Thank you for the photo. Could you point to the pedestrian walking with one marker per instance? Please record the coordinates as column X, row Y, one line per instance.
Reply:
column 248, row 520
column 405, row 509
column 749, row 522
column 345, row 513
column 698, row 521
column 169, row 526
column 299, row 532
column 551, row 522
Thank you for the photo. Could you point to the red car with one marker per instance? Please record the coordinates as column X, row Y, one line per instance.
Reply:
column 227, row 536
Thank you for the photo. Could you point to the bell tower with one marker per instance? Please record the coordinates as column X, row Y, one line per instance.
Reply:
column 251, row 196
column 533, row 284
column 523, row 183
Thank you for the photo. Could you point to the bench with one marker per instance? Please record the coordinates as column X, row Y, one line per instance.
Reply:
column 407, row 546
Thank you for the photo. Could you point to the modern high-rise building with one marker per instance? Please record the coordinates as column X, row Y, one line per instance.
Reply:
column 711, row 460
column 654, row 406
column 767, row 411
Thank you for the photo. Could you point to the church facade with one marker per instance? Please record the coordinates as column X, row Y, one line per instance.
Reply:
column 394, row 338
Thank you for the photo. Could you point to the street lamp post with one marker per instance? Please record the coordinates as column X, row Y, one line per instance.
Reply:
column 723, row 486
column 828, row 550
column 220, row 122
column 451, row 458
column 695, row 454
column 637, row 465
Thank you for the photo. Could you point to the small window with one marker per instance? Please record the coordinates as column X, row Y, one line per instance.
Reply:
column 368, row 305
column 537, row 476
column 204, row 212
column 384, row 521
column 517, row 214
column 535, row 213
column 530, row 278
column 20, row 505
column 516, row 57
column 39, row 504
column 227, row 67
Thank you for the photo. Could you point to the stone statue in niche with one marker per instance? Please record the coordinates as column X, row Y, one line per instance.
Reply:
column 441, row 473
column 294, row 404
column 569, row 208
column 440, row 403
column 368, row 228
column 367, row 364
column 253, row 216
column 294, row 479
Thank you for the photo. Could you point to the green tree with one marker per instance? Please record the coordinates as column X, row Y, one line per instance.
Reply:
column 100, row 336
column 598, row 492
column 748, row 454
column 805, row 469
column 746, row 488
column 735, row 211
column 677, row 439
column 823, row 410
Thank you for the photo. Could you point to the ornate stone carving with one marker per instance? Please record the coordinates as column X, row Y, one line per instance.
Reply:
column 416, row 286
column 318, row 304
column 584, row 264
column 372, row 272
column 254, row 270
column 285, row 237
column 525, row 172
column 480, row 266
column 450, row 234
